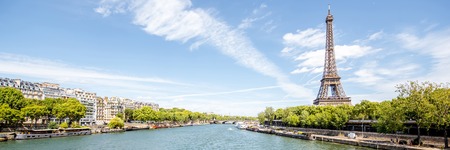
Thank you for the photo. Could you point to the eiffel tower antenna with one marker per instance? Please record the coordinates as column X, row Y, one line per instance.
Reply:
column 331, row 91
column 329, row 13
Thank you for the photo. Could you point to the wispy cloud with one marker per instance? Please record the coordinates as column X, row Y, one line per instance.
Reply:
column 256, row 16
column 435, row 44
column 309, row 38
column 376, row 36
column 426, row 59
column 177, row 20
column 220, row 93
column 48, row 69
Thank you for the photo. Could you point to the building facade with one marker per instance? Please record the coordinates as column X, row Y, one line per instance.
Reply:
column 100, row 111
column 53, row 90
column 109, row 107
column 29, row 90
column 113, row 106
column 89, row 100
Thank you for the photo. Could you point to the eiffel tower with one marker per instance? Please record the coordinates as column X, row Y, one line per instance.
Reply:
column 331, row 91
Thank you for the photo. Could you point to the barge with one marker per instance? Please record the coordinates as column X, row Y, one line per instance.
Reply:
column 50, row 133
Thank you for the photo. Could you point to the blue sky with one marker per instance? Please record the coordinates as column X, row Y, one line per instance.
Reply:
column 227, row 57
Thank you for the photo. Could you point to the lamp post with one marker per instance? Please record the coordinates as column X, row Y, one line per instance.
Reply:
column 362, row 126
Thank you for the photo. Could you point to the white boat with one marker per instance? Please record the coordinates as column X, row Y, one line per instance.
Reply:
column 241, row 125
column 50, row 133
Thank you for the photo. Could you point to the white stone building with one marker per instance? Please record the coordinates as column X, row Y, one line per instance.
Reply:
column 89, row 100
column 111, row 106
column 53, row 90
column 28, row 89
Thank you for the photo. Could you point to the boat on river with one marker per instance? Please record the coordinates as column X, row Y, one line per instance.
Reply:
column 50, row 133
column 241, row 125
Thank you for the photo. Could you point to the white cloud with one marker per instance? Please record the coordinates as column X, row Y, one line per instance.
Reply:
column 260, row 8
column 435, row 44
column 309, row 38
column 302, row 70
column 248, row 22
column 95, row 80
column 177, row 20
column 372, row 73
column 268, row 26
column 353, row 51
column 312, row 70
column 365, row 77
column 31, row 66
column 221, row 93
column 376, row 36
column 312, row 58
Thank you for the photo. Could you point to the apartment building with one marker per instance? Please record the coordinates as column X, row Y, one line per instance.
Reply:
column 89, row 100
column 29, row 90
column 109, row 107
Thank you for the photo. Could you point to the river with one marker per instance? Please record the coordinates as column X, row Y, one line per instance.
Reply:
column 195, row 137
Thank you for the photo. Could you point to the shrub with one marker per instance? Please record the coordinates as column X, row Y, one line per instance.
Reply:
column 116, row 122
column 64, row 125
column 53, row 125
column 75, row 125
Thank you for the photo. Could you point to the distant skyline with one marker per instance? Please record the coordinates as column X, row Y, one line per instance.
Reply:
column 226, row 57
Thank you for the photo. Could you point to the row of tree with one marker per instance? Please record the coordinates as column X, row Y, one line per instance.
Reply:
column 329, row 117
column 426, row 103
column 175, row 115
column 15, row 108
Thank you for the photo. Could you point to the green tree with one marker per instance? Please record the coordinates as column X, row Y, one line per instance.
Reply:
column 304, row 122
column 60, row 112
column 120, row 115
column 50, row 104
column 34, row 112
column 340, row 116
column 181, row 117
column 441, row 99
column 145, row 114
column 292, row 120
column 72, row 109
column 392, row 116
column 269, row 114
column 129, row 114
column 261, row 117
column 323, row 119
column 312, row 120
column 280, row 114
column 418, row 97
column 4, row 108
column 76, row 110
column 12, row 97
column 10, row 116
column 366, row 110
column 116, row 122
column 164, row 116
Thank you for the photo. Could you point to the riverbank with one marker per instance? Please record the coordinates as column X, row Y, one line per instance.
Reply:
column 102, row 129
column 340, row 138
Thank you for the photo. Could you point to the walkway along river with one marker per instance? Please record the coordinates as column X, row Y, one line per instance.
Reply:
column 192, row 137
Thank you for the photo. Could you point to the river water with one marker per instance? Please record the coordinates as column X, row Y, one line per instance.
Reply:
column 206, row 137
